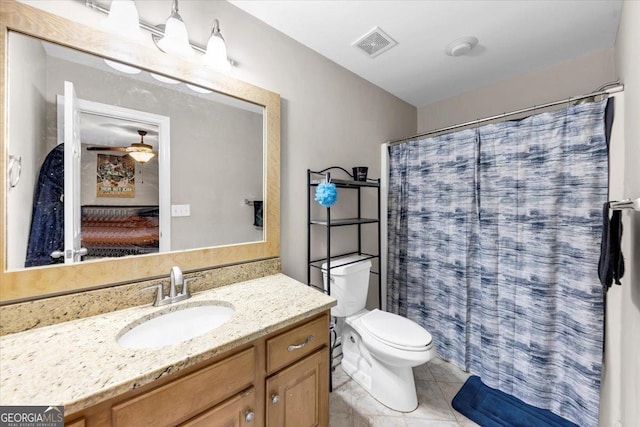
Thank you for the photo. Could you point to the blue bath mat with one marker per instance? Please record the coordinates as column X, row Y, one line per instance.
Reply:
column 492, row 408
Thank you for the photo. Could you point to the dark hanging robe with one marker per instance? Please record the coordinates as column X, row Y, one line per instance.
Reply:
column 47, row 216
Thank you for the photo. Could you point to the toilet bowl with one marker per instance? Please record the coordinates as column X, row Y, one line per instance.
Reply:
column 379, row 349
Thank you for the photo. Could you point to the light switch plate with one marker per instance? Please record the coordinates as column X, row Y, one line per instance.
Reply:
column 180, row 210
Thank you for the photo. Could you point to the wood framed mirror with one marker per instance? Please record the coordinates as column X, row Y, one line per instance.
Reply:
column 19, row 284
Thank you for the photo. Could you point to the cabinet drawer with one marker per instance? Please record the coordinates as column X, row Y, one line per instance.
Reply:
column 296, row 343
column 236, row 411
column 186, row 397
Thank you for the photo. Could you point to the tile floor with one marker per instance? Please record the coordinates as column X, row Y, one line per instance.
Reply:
column 437, row 382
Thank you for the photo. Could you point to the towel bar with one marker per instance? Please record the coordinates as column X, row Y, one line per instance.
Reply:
column 625, row 204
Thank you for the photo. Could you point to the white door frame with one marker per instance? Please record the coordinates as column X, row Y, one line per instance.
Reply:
column 164, row 159
column 384, row 223
column 72, row 251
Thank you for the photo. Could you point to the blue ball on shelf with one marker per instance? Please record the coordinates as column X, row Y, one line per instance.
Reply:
column 326, row 194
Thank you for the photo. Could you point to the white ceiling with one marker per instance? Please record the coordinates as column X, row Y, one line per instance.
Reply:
column 516, row 37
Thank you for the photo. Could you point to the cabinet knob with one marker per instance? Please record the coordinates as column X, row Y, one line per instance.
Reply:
column 275, row 399
column 249, row 416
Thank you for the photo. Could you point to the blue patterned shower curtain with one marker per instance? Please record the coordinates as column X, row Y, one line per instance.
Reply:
column 494, row 237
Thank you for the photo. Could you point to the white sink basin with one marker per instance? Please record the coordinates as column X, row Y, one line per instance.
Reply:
column 176, row 326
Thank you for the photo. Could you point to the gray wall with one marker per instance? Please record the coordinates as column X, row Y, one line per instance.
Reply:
column 625, row 300
column 570, row 78
column 26, row 130
column 330, row 117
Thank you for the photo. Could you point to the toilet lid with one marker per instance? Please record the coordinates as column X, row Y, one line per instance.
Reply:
column 395, row 330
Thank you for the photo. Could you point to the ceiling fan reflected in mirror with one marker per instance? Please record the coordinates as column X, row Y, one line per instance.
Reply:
column 139, row 151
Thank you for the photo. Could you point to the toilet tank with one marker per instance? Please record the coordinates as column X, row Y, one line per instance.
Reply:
column 349, row 283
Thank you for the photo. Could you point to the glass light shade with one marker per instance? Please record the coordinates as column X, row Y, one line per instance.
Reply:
column 164, row 79
column 176, row 39
column 123, row 19
column 216, row 55
column 198, row 88
column 128, row 69
column 142, row 156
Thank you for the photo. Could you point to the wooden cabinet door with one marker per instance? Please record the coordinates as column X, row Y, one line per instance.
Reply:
column 237, row 411
column 76, row 423
column 298, row 396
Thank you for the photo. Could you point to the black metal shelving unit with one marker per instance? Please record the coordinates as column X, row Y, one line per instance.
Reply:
column 313, row 179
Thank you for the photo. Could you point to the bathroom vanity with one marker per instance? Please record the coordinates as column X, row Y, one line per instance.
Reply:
column 259, row 384
column 267, row 365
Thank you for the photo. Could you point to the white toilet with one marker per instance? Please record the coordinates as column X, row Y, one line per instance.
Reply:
column 379, row 348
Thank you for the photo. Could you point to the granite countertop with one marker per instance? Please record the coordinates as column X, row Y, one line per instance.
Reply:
column 79, row 363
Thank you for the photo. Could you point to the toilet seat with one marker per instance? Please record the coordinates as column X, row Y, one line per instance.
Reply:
column 380, row 350
column 395, row 331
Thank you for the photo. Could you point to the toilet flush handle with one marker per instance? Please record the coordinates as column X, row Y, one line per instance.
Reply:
column 297, row 346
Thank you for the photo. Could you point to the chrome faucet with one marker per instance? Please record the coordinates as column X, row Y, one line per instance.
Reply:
column 176, row 279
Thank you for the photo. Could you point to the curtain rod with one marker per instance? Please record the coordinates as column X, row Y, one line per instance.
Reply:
column 604, row 92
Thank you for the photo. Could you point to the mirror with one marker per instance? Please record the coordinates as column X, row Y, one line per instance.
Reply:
column 211, row 138
column 209, row 195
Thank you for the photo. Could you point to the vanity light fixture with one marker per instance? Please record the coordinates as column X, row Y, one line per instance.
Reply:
column 123, row 20
column 170, row 37
column 216, row 55
column 175, row 40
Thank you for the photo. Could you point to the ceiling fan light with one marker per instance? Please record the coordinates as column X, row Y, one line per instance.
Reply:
column 139, row 151
column 216, row 54
column 142, row 156
column 123, row 20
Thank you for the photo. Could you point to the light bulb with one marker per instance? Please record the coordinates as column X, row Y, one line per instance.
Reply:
column 123, row 20
column 176, row 39
column 216, row 54
column 128, row 69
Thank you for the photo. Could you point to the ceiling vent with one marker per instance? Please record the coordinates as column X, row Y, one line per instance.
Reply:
column 374, row 42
